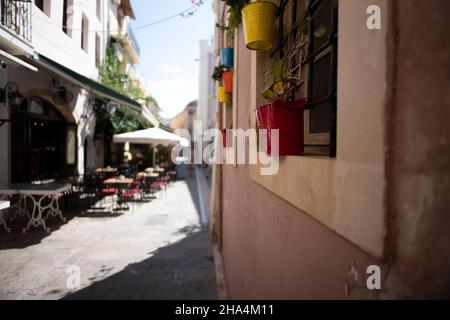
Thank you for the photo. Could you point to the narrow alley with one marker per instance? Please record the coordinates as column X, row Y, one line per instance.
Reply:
column 224, row 150
column 159, row 250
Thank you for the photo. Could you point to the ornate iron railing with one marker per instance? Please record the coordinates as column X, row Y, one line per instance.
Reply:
column 321, row 62
column 16, row 16
column 134, row 41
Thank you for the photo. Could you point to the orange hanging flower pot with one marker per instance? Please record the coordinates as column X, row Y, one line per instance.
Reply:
column 227, row 79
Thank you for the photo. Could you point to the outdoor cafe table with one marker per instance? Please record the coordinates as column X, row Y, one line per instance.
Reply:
column 106, row 170
column 118, row 181
column 37, row 194
column 119, row 184
column 148, row 175
column 4, row 205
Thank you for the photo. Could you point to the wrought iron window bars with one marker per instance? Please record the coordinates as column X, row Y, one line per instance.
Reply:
column 16, row 16
column 321, row 59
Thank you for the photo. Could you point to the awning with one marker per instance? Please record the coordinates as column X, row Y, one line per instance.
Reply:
column 86, row 83
column 151, row 136
column 14, row 59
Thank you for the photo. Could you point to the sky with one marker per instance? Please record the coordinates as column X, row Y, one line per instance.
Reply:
column 169, row 50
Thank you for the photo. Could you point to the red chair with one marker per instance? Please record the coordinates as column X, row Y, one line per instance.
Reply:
column 129, row 195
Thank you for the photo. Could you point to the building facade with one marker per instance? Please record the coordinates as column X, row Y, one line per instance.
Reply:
column 207, row 105
column 185, row 119
column 369, row 187
column 51, row 51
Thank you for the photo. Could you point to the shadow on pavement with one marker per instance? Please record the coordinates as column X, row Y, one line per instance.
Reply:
column 71, row 209
column 182, row 270
column 188, row 175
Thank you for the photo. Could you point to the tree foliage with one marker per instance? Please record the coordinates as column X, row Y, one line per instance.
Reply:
column 112, row 74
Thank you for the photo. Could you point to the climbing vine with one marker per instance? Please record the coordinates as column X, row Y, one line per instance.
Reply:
column 234, row 17
column 112, row 74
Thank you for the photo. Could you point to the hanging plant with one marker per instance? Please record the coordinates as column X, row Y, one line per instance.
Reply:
column 224, row 97
column 284, row 77
column 218, row 72
column 259, row 25
column 234, row 17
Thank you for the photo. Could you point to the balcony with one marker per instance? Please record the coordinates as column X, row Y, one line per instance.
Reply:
column 125, row 36
column 129, row 43
column 133, row 42
column 16, row 17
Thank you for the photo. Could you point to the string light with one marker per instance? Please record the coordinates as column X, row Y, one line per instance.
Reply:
column 187, row 13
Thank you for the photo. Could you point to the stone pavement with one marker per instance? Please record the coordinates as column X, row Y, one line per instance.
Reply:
column 159, row 251
column 204, row 178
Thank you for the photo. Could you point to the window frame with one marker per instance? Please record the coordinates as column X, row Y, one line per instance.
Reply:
column 40, row 4
column 65, row 18
column 85, row 33
column 98, row 49
column 98, row 10
column 323, row 143
column 45, row 6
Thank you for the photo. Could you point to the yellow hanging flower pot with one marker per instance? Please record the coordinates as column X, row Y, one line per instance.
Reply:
column 259, row 24
column 223, row 96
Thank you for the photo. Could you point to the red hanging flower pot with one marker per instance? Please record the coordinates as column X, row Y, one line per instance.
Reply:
column 287, row 117
column 227, row 79
column 226, row 138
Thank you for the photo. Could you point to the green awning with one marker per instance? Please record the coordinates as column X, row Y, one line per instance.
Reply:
column 86, row 83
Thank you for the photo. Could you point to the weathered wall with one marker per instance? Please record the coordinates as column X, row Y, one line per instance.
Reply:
column 345, row 193
column 419, row 148
column 49, row 39
column 271, row 249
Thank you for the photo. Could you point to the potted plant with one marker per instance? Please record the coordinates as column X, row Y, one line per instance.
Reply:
column 234, row 17
column 224, row 97
column 226, row 138
column 284, row 112
column 227, row 81
column 287, row 118
column 259, row 24
column 227, row 57
column 218, row 72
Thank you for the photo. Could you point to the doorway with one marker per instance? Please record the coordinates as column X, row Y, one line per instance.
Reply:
column 39, row 142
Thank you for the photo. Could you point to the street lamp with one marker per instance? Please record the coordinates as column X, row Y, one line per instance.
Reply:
column 11, row 92
column 111, row 107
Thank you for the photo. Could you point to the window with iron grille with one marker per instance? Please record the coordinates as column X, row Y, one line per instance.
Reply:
column 315, row 21
column 16, row 16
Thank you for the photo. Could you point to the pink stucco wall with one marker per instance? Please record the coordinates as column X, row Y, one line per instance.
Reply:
column 271, row 249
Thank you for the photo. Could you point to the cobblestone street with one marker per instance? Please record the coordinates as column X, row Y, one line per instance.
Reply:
column 159, row 250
